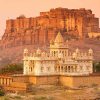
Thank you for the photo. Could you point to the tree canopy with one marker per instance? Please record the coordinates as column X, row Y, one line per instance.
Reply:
column 11, row 68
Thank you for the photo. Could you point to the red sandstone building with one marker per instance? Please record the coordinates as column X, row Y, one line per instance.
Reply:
column 40, row 30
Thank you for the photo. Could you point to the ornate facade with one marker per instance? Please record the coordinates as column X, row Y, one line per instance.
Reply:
column 58, row 61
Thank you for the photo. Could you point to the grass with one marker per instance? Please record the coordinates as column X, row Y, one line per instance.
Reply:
column 10, row 98
column 4, row 98
column 43, row 98
column 17, row 97
column 56, row 93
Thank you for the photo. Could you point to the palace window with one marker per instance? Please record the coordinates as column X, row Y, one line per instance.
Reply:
column 48, row 68
column 66, row 69
column 56, row 68
column 31, row 69
column 59, row 68
column 75, row 68
column 63, row 53
column 42, row 68
column 72, row 68
column 81, row 68
column 62, row 68
column 87, row 67
column 54, row 53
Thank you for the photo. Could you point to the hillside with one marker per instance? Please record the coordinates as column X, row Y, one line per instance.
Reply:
column 15, row 54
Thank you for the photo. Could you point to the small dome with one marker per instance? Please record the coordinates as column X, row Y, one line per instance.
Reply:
column 51, row 41
column 74, row 55
column 77, row 50
column 90, row 50
column 59, row 38
column 38, row 51
column 25, row 50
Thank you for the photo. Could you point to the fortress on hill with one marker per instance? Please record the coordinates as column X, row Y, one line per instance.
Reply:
column 59, row 66
column 40, row 30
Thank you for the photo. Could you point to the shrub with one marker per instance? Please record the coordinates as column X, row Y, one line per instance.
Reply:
column 94, row 85
column 43, row 98
column 2, row 93
column 96, row 67
column 11, row 68
column 17, row 97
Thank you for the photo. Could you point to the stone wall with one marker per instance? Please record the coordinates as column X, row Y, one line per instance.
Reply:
column 77, row 81
column 44, row 80
column 69, row 81
column 23, row 83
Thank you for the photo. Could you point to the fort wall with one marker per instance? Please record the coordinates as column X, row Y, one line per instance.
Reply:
column 40, row 30
column 77, row 81
column 23, row 83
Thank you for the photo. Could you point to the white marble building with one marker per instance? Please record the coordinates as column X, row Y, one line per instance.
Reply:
column 59, row 60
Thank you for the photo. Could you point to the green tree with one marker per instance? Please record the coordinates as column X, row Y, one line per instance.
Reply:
column 96, row 67
column 12, row 68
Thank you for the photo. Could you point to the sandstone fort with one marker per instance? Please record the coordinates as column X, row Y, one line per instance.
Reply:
column 40, row 30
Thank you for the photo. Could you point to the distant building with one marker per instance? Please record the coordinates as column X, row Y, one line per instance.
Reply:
column 39, row 30
column 59, row 60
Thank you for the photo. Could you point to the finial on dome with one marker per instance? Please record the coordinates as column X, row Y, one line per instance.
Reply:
column 59, row 38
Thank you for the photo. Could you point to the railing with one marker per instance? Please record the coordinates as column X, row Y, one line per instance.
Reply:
column 4, row 80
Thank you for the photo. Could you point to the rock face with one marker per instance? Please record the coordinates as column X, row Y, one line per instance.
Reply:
column 40, row 30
